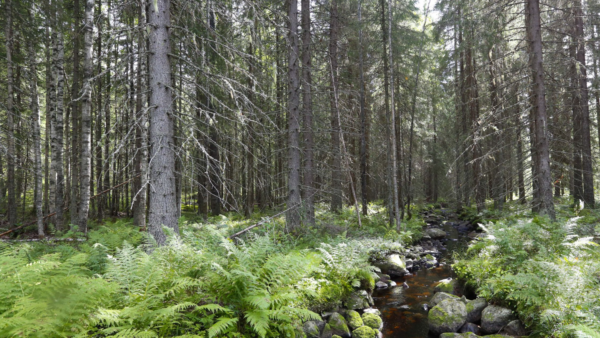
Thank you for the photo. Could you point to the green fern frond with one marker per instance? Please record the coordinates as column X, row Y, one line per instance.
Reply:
column 221, row 326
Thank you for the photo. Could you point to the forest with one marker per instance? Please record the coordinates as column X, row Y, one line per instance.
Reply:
column 299, row 168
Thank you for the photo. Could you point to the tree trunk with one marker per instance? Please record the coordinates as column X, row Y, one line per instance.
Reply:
column 336, row 168
column 363, row 120
column 86, row 119
column 393, row 121
column 386, row 104
column 309, row 189
column 538, row 100
column 57, row 121
column 37, row 145
column 294, row 200
column 163, row 199
column 10, row 112
column 74, row 190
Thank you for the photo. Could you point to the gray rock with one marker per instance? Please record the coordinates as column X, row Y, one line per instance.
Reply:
column 475, row 308
column 435, row 233
column 392, row 265
column 373, row 311
column 392, row 283
column 381, row 285
column 515, row 328
column 327, row 332
column 448, row 285
column 494, row 318
column 470, row 327
column 358, row 300
column 448, row 316
column 338, row 325
column 439, row 297
column 311, row 329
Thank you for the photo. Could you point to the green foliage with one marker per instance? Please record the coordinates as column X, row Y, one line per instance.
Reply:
column 543, row 270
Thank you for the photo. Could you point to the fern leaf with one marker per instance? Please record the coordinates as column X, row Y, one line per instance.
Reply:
column 221, row 325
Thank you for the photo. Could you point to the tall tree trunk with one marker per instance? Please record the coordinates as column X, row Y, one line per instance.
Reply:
column 386, row 104
column 336, row 167
column 57, row 119
column 538, row 100
column 393, row 121
column 139, row 204
column 75, row 105
column 10, row 112
column 37, row 145
column 99, row 122
column 581, row 101
column 163, row 199
column 294, row 200
column 363, row 119
column 498, row 191
column 86, row 119
column 309, row 189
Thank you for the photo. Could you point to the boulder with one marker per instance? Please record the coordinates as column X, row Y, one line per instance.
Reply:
column 392, row 265
column 311, row 329
column 448, row 316
column 494, row 318
column 338, row 326
column 327, row 332
column 435, row 233
column 475, row 308
column 439, row 297
column 372, row 311
column 448, row 285
column 364, row 332
column 458, row 335
column 358, row 300
column 354, row 320
column 470, row 327
column 372, row 320
column 381, row 285
column 515, row 328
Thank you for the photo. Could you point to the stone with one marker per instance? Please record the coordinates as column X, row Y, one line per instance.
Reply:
column 470, row 327
column 448, row 316
column 372, row 311
column 439, row 297
column 327, row 332
column 358, row 300
column 450, row 335
column 448, row 285
column 364, row 332
column 354, row 320
column 494, row 318
column 311, row 329
column 381, row 285
column 435, row 233
column 392, row 283
column 475, row 308
column 393, row 265
column 515, row 328
column 339, row 326
column 372, row 320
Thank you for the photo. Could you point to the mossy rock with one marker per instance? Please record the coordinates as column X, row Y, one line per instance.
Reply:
column 447, row 285
column 439, row 297
column 494, row 318
column 474, row 309
column 447, row 316
column 311, row 330
column 339, row 326
column 327, row 332
column 372, row 320
column 335, row 336
column 354, row 320
column 363, row 332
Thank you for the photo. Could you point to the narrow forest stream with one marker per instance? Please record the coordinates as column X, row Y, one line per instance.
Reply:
column 402, row 309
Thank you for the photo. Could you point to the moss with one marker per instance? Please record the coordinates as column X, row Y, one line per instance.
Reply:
column 335, row 336
column 372, row 320
column 338, row 324
column 354, row 320
column 363, row 332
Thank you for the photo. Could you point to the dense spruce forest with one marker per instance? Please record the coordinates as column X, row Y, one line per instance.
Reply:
column 299, row 168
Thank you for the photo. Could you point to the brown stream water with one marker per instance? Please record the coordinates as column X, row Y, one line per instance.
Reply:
column 402, row 309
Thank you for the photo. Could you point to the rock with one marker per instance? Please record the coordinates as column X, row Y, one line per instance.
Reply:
column 450, row 335
column 327, row 332
column 448, row 285
column 364, row 332
column 494, row 318
column 339, row 326
column 359, row 300
column 475, row 308
column 335, row 336
column 372, row 311
column 354, row 320
column 378, row 334
column 381, row 285
column 404, row 307
column 439, row 297
column 425, row 306
column 472, row 235
column 435, row 233
column 326, row 315
column 372, row 320
column 404, row 285
column 448, row 316
column 515, row 328
column 470, row 327
column 311, row 329
column 392, row 265
column 392, row 283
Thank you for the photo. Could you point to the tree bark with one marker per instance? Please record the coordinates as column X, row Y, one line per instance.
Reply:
column 74, row 191
column 57, row 120
column 163, row 199
column 294, row 200
column 336, row 167
column 37, row 145
column 10, row 155
column 86, row 119
column 363, row 119
column 393, row 121
column 538, row 101
column 308, row 178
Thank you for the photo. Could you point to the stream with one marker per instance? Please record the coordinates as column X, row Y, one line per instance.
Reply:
column 402, row 308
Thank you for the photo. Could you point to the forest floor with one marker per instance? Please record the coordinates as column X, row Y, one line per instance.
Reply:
column 203, row 284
